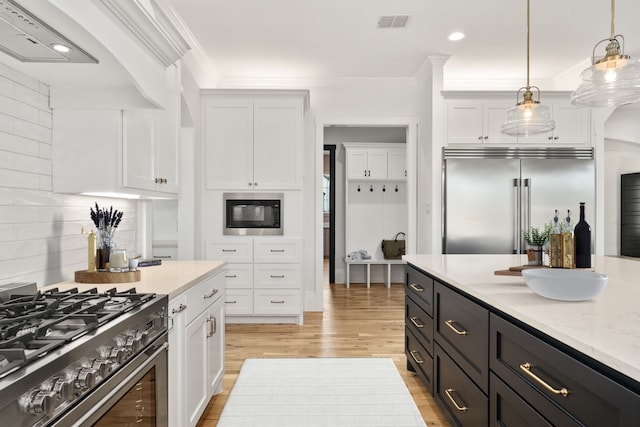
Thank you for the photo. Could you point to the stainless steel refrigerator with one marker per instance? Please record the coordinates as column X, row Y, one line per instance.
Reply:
column 490, row 195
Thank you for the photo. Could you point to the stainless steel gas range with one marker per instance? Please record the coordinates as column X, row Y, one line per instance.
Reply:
column 97, row 357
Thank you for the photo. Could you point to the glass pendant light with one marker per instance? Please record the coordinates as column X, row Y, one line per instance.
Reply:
column 612, row 80
column 529, row 116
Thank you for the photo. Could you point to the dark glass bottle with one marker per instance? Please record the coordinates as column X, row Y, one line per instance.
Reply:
column 582, row 236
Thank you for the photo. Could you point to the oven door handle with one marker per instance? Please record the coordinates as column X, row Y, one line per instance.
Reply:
column 93, row 414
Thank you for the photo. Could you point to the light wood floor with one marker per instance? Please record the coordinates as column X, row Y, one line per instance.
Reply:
column 357, row 322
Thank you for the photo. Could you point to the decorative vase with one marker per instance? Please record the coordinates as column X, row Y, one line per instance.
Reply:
column 534, row 255
column 105, row 245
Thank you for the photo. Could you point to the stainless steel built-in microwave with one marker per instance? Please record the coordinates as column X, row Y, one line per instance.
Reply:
column 252, row 213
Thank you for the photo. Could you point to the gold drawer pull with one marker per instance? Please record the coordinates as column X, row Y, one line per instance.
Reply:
column 414, row 320
column 458, row 407
column 449, row 323
column 416, row 288
column 526, row 368
column 413, row 355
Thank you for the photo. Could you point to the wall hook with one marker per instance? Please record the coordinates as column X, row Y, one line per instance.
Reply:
column 371, row 189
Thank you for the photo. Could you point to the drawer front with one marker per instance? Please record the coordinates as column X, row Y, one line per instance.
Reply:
column 419, row 359
column 420, row 323
column 277, row 302
column 229, row 250
column 277, row 276
column 462, row 329
column 203, row 294
column 509, row 410
column 239, row 276
column 554, row 382
column 462, row 399
column 238, row 302
column 280, row 250
column 420, row 287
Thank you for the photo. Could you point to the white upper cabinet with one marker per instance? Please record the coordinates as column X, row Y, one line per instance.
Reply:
column 477, row 118
column 112, row 151
column 253, row 140
column 397, row 164
column 477, row 121
column 376, row 161
column 129, row 152
column 573, row 125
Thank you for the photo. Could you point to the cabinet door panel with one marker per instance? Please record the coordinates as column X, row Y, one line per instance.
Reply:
column 277, row 276
column 141, row 130
column 377, row 164
column 420, row 289
column 464, row 122
column 228, row 144
column 278, row 302
column 239, row 302
column 397, row 165
column 215, row 347
column 196, row 362
column 357, row 164
column 419, row 359
column 457, row 393
column 510, row 410
column 277, row 144
column 591, row 398
column 419, row 323
column 462, row 328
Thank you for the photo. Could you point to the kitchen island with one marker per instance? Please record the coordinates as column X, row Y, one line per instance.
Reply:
column 523, row 341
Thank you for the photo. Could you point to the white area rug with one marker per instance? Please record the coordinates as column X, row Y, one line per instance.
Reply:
column 336, row 392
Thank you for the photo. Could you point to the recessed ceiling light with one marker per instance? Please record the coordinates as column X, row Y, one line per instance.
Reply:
column 456, row 36
column 61, row 48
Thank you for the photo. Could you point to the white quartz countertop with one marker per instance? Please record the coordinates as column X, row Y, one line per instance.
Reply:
column 170, row 278
column 606, row 328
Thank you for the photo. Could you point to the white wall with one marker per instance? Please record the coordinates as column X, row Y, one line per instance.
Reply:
column 40, row 236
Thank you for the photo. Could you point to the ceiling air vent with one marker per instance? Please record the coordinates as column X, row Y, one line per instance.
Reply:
column 393, row 21
column 28, row 39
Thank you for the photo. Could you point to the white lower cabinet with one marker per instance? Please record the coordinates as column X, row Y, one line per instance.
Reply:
column 196, row 349
column 263, row 277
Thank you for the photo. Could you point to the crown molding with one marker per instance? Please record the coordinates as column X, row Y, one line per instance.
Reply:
column 153, row 25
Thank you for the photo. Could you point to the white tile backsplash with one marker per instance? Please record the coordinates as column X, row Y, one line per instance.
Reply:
column 40, row 231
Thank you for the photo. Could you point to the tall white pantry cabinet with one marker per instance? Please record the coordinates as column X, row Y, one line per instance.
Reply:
column 252, row 142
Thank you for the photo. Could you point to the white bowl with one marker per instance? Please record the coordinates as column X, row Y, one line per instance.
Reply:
column 563, row 284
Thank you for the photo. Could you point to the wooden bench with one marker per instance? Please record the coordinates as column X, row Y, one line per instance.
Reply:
column 367, row 263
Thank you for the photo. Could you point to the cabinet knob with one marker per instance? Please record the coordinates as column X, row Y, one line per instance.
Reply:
column 550, row 138
column 556, row 137
column 255, row 184
column 250, row 184
column 486, row 137
column 480, row 137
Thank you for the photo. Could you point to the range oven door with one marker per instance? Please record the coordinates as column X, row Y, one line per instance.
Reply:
column 135, row 395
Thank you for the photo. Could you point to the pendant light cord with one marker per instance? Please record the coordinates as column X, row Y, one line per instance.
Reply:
column 528, row 30
column 613, row 13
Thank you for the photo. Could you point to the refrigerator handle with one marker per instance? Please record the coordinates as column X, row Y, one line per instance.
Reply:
column 516, row 217
column 527, row 207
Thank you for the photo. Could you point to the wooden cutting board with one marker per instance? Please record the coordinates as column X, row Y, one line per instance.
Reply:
column 84, row 276
column 517, row 270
